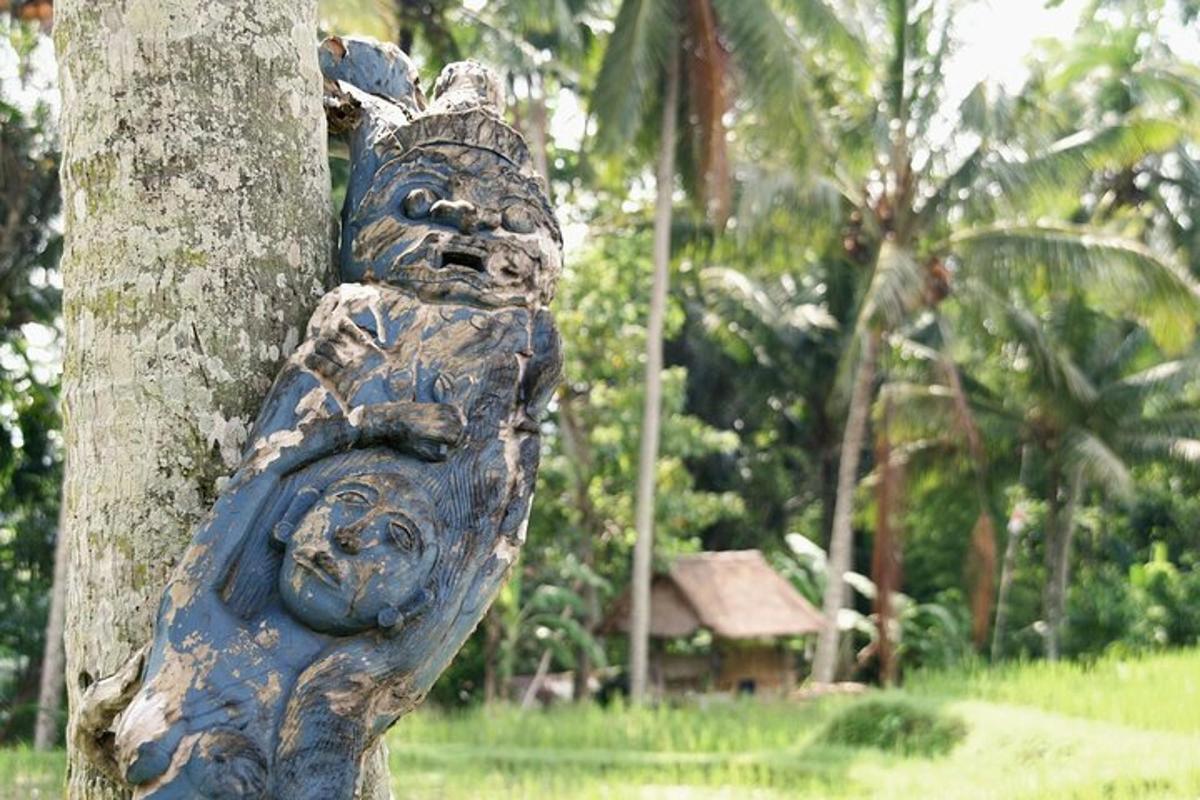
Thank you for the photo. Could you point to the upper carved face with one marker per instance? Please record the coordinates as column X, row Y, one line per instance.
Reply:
column 360, row 555
column 456, row 223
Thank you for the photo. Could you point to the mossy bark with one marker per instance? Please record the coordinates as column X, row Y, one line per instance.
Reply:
column 196, row 195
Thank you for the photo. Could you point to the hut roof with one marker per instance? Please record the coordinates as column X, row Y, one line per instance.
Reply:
column 735, row 594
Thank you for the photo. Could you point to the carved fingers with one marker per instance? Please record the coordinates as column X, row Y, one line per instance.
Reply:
column 426, row 430
column 342, row 356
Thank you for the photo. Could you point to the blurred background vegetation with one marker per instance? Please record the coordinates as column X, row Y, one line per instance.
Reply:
column 925, row 324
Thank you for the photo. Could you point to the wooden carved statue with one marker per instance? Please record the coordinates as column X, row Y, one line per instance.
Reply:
column 386, row 485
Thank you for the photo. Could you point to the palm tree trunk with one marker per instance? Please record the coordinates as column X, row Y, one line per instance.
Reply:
column 492, row 632
column 1000, row 627
column 536, row 126
column 639, row 633
column 45, row 728
column 841, row 538
column 581, row 691
column 1016, row 526
column 535, row 683
column 885, row 561
column 577, row 449
column 1059, row 565
column 1049, row 602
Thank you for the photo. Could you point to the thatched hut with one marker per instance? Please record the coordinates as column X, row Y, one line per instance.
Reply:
column 748, row 607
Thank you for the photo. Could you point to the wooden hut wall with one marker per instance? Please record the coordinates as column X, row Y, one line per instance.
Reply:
column 766, row 666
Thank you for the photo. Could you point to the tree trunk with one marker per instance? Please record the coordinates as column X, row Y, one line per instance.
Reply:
column 196, row 196
column 639, row 634
column 577, row 449
column 536, row 127
column 45, row 728
column 887, row 556
column 1016, row 526
column 492, row 633
column 1058, row 561
column 1000, row 628
column 535, row 683
column 1049, row 603
column 828, row 479
column 841, row 538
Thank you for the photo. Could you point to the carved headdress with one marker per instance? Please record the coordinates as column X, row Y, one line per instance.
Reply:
column 393, row 117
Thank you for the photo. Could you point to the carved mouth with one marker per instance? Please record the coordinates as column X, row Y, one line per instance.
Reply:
column 463, row 258
column 321, row 564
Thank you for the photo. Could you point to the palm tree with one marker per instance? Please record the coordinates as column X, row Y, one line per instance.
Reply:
column 918, row 206
column 540, row 44
column 1082, row 396
column 1098, row 398
column 684, row 46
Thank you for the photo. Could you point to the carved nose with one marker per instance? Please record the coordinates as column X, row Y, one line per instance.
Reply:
column 349, row 540
column 460, row 214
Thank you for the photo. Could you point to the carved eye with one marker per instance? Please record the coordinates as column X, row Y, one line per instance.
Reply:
column 353, row 496
column 418, row 202
column 402, row 535
column 518, row 219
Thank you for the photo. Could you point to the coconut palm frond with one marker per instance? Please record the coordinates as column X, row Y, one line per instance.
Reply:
column 706, row 63
column 1175, row 82
column 811, row 205
column 1060, row 170
column 767, row 318
column 1123, row 276
column 960, row 181
column 897, row 288
column 1165, row 377
column 643, row 38
column 934, row 26
column 1100, row 463
column 823, row 23
column 764, row 52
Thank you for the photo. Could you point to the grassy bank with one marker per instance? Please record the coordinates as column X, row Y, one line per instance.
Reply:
column 1118, row 728
column 1115, row 729
column 1156, row 693
column 26, row 775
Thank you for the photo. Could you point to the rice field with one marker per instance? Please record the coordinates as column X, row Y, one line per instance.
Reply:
column 1119, row 728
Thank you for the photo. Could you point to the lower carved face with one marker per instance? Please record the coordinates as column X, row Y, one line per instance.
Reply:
column 360, row 555
column 456, row 223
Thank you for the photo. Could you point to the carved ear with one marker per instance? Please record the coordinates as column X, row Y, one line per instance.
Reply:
column 281, row 532
column 418, row 603
column 392, row 619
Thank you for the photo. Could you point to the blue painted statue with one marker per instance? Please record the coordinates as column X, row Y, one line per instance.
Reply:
column 386, row 486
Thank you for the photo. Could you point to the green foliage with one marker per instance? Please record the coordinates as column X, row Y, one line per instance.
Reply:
column 898, row 725
column 30, row 443
column 1153, row 605
column 604, row 336
column 929, row 634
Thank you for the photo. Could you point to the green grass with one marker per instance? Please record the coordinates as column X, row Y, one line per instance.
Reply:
column 1154, row 692
column 26, row 775
column 1115, row 730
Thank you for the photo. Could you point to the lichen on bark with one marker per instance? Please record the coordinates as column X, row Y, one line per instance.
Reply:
column 197, row 243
